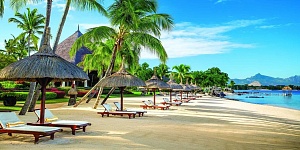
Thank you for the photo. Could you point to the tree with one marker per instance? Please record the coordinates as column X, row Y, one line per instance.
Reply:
column 215, row 77
column 1, row 8
column 31, row 24
column 232, row 83
column 162, row 71
column 5, row 60
column 16, row 4
column 16, row 47
column 136, row 23
column 181, row 71
column 144, row 72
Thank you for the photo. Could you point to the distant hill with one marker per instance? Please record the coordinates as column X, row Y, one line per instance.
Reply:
column 267, row 80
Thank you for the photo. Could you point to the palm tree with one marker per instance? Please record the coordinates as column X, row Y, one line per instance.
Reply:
column 162, row 70
column 136, row 23
column 17, row 4
column 81, row 4
column 1, row 8
column 31, row 23
column 16, row 47
column 181, row 71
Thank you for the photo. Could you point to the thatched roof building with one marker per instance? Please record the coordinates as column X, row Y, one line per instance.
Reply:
column 255, row 83
column 63, row 49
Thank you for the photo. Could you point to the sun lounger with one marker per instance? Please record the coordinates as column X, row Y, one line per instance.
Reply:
column 157, row 106
column 10, row 123
column 180, row 100
column 140, row 112
column 51, row 120
column 108, row 111
column 167, row 101
column 149, row 105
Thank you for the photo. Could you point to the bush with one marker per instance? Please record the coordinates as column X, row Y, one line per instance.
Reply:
column 21, row 96
column 60, row 94
column 65, row 89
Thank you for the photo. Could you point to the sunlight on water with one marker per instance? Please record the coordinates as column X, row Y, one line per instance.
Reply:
column 268, row 97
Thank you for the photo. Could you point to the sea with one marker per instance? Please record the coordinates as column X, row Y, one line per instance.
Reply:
column 276, row 98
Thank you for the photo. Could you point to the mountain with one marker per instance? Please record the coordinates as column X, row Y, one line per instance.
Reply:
column 267, row 80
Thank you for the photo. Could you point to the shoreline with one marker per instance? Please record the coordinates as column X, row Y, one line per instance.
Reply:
column 204, row 123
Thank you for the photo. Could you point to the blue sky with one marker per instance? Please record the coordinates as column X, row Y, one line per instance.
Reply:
column 241, row 37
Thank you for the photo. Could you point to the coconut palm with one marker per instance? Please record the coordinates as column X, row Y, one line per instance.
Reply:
column 181, row 71
column 17, row 4
column 16, row 47
column 31, row 24
column 136, row 23
column 162, row 70
column 1, row 8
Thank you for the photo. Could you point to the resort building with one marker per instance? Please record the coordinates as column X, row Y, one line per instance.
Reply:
column 63, row 50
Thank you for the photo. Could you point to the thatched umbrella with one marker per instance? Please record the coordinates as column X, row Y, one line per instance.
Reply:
column 174, row 87
column 121, row 79
column 186, row 88
column 155, row 83
column 43, row 67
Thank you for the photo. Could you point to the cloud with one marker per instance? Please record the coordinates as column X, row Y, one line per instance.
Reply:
column 88, row 26
column 60, row 5
column 220, row 1
column 188, row 39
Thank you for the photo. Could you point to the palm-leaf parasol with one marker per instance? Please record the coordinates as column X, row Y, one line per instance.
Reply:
column 174, row 87
column 121, row 79
column 186, row 88
column 155, row 83
column 43, row 67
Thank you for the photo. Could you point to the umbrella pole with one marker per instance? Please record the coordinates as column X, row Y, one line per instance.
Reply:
column 43, row 82
column 181, row 95
column 170, row 95
column 154, row 94
column 121, row 92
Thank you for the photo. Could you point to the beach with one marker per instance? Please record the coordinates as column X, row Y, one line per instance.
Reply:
column 205, row 123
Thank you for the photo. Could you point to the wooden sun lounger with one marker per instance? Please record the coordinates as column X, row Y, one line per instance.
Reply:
column 146, row 106
column 140, row 112
column 10, row 123
column 51, row 120
column 108, row 111
column 167, row 101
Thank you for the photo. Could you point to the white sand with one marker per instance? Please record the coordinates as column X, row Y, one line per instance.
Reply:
column 205, row 123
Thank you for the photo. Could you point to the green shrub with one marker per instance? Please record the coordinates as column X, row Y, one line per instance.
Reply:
column 21, row 96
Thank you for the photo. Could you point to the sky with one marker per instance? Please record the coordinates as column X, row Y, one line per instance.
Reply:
column 241, row 37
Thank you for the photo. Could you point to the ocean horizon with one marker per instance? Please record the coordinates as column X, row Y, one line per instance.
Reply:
column 268, row 97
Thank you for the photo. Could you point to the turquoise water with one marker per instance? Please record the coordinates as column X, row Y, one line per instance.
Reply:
column 273, row 98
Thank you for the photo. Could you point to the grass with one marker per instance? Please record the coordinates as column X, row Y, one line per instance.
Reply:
column 19, row 104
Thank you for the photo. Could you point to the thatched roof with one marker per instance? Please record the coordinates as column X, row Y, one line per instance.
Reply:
column 174, row 86
column 63, row 49
column 255, row 83
column 43, row 64
column 121, row 79
column 287, row 88
column 154, row 82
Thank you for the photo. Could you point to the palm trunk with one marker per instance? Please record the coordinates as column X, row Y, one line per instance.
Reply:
column 28, row 99
column 110, row 68
column 107, row 73
column 33, row 84
column 31, row 88
column 35, row 98
column 61, row 25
